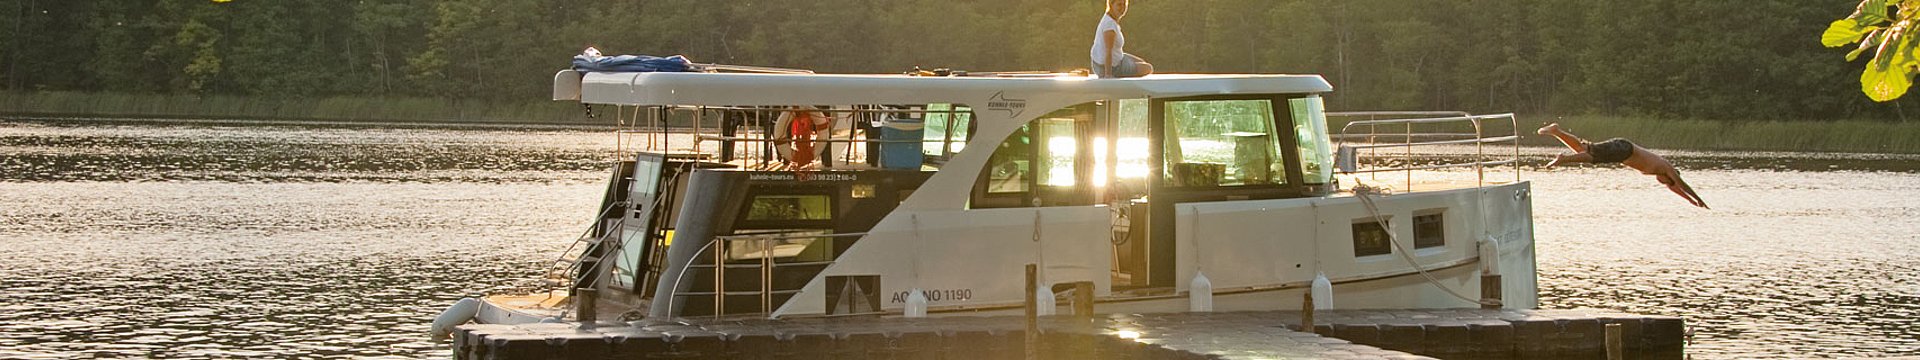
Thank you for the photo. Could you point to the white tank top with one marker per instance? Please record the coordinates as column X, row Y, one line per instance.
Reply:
column 1099, row 52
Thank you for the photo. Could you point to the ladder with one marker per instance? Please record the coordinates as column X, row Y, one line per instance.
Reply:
column 573, row 261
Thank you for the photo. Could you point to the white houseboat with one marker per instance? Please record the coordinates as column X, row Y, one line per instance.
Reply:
column 803, row 195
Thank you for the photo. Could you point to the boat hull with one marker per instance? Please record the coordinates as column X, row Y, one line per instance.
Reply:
column 971, row 260
column 1403, row 291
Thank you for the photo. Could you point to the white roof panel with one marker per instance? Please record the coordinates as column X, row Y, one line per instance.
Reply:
column 747, row 89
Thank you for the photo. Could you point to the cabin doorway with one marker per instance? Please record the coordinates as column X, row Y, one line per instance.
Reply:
column 1207, row 149
column 1120, row 143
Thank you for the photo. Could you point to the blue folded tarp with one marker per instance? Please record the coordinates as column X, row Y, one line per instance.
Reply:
column 632, row 63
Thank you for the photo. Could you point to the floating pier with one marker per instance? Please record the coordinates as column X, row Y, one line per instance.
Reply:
column 1336, row 334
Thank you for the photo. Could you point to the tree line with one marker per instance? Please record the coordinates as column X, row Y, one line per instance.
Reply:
column 1747, row 60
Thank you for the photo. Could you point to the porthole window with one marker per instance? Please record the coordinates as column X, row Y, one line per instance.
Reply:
column 1370, row 238
column 1429, row 230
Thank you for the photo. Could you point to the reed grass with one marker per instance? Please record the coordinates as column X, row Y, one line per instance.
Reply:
column 332, row 108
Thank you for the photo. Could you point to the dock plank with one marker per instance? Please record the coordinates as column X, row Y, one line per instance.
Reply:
column 1338, row 334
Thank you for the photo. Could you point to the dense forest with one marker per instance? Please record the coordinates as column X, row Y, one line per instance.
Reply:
column 1734, row 60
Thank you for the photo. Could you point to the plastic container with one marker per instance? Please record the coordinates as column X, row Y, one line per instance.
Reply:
column 902, row 146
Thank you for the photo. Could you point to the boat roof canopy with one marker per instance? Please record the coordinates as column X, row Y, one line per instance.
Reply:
column 757, row 89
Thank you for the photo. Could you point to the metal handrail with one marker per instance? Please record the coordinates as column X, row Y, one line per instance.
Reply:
column 601, row 266
column 1396, row 113
column 1439, row 166
column 1478, row 139
column 1432, row 134
column 603, row 260
column 576, row 244
column 766, row 270
column 758, row 139
column 1441, row 142
column 764, row 236
column 818, row 110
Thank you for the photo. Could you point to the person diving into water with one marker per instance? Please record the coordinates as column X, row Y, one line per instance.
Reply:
column 1618, row 150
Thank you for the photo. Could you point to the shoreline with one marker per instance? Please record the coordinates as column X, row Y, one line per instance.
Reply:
column 1809, row 136
column 1642, row 131
column 304, row 122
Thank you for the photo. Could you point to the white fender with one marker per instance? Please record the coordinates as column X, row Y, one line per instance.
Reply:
column 1200, row 293
column 1322, row 292
column 917, row 304
column 460, row 313
column 1043, row 300
column 1490, row 256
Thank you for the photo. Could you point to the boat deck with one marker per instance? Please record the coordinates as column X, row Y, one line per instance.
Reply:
column 1338, row 334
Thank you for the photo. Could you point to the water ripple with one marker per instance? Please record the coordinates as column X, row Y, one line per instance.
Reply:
column 230, row 240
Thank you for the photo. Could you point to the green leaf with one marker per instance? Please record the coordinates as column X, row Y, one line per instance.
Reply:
column 1891, row 72
column 1873, row 38
column 1842, row 32
column 1885, row 84
column 1873, row 11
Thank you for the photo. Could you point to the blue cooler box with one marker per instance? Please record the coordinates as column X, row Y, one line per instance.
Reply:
column 903, row 143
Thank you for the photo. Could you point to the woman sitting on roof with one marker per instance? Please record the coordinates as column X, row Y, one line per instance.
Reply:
column 1109, row 56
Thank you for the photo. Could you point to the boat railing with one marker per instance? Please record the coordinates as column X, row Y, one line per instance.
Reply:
column 567, row 267
column 766, row 264
column 1423, row 130
column 646, row 128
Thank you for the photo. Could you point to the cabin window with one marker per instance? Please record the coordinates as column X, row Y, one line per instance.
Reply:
column 787, row 208
column 783, row 246
column 1131, row 150
column 790, row 208
column 642, row 191
column 626, row 262
column 1122, row 150
column 1010, row 166
column 1048, row 162
column 1222, row 143
column 1310, row 131
column 1369, row 238
column 1059, row 149
column 947, row 128
column 1429, row 229
column 646, row 183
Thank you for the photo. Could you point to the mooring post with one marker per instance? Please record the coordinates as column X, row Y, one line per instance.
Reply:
column 1614, row 349
column 1033, row 313
column 585, row 312
column 1083, row 299
column 1490, row 290
column 1306, row 312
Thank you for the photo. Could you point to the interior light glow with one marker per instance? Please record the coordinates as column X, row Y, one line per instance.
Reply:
column 1099, row 161
column 1060, row 150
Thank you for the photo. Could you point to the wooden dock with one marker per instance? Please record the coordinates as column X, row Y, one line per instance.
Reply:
column 1337, row 334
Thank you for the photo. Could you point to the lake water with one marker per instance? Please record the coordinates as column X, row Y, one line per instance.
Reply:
column 232, row 239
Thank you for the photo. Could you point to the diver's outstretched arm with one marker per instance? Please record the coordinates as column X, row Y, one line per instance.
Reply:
column 1579, row 157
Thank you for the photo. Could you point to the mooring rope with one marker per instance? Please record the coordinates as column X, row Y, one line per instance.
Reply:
column 1365, row 193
